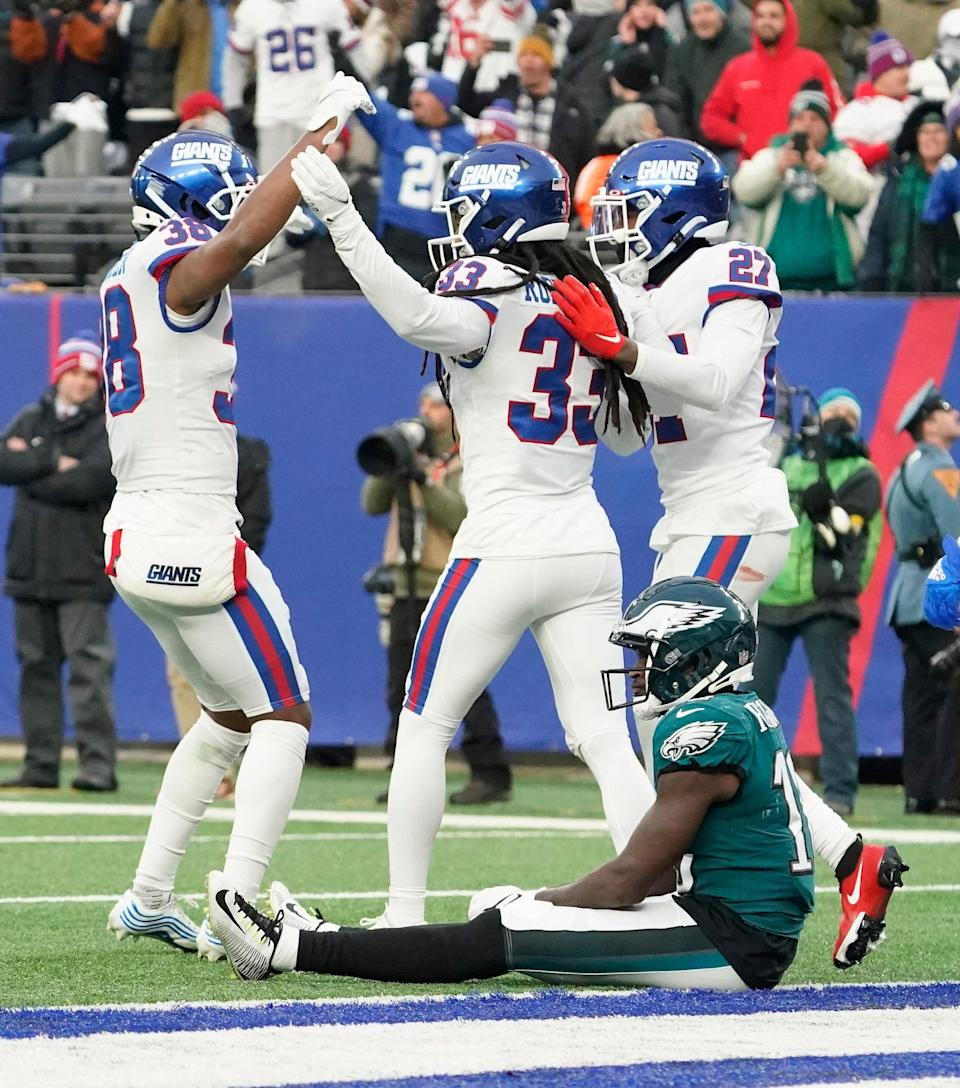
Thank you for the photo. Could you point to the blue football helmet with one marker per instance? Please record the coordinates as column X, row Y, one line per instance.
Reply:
column 198, row 174
column 658, row 194
column 500, row 194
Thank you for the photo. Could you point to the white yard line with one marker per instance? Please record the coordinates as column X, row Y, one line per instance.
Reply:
column 359, row 1052
column 451, row 821
column 453, row 893
column 319, row 836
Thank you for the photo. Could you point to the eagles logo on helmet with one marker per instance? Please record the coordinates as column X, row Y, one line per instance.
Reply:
column 658, row 194
column 499, row 194
column 692, row 638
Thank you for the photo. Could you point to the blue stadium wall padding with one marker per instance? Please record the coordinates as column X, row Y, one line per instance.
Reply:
column 317, row 374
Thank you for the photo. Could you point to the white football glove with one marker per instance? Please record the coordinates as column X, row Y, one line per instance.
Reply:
column 488, row 898
column 321, row 184
column 341, row 97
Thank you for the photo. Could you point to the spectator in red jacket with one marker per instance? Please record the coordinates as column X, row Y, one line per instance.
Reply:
column 751, row 101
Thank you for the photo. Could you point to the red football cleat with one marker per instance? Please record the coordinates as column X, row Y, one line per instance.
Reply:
column 864, row 896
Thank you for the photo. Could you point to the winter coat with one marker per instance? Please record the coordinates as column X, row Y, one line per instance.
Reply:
column 17, row 58
column 928, row 80
column 816, row 580
column 693, row 68
column 184, row 25
column 871, row 123
column 55, row 540
column 149, row 81
column 845, row 183
column 751, row 101
column 584, row 71
column 822, row 26
column 894, row 245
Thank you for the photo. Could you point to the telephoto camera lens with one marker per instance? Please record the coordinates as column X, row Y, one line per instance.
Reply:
column 393, row 450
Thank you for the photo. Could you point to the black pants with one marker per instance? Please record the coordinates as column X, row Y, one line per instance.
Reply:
column 482, row 745
column 826, row 642
column 409, row 250
column 931, row 718
column 78, row 633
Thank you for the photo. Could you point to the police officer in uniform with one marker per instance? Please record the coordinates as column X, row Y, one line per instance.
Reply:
column 923, row 506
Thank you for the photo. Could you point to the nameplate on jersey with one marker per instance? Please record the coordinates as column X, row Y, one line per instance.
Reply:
column 160, row 574
column 206, row 151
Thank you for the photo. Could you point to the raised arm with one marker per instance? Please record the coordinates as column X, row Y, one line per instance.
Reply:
column 451, row 326
column 728, row 349
column 212, row 266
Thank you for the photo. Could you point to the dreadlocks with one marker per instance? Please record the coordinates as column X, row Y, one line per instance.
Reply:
column 536, row 260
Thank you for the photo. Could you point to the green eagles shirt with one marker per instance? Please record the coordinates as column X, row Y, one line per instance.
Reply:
column 752, row 853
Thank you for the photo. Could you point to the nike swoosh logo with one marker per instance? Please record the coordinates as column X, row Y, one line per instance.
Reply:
column 684, row 713
column 221, row 898
column 854, row 896
column 609, row 339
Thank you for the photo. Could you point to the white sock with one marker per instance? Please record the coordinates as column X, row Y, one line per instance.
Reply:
column 285, row 955
column 624, row 787
column 193, row 773
column 418, row 785
column 831, row 834
column 266, row 789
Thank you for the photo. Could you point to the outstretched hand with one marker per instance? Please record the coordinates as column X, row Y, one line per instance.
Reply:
column 342, row 96
column 320, row 183
column 941, row 599
column 585, row 314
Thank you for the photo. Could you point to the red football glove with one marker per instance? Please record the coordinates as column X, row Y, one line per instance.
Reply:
column 587, row 317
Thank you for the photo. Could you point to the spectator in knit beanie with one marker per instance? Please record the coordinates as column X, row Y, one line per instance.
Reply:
column 873, row 120
column 938, row 229
column 807, row 186
column 634, row 80
column 497, row 122
column 694, row 66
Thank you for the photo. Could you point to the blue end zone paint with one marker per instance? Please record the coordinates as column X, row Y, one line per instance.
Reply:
column 755, row 1072
column 549, row 1005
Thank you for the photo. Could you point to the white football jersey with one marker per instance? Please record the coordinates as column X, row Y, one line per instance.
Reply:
column 713, row 466
column 293, row 57
column 169, row 380
column 523, row 409
column 507, row 22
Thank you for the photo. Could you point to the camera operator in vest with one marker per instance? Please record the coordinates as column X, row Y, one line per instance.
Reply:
column 414, row 476
column 923, row 506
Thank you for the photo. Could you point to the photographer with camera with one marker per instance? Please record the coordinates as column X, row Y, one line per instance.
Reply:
column 923, row 506
column 835, row 493
column 414, row 476
column 807, row 186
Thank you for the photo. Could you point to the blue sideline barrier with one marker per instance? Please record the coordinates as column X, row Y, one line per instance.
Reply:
column 317, row 374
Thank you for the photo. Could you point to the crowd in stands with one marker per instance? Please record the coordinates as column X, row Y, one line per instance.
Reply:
column 838, row 119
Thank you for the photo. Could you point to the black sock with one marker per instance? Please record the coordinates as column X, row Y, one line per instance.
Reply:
column 444, row 953
column 849, row 860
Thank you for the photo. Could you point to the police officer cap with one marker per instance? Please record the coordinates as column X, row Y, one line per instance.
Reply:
column 922, row 404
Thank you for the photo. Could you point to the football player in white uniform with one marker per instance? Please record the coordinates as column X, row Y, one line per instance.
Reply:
column 172, row 545
column 288, row 39
column 705, row 314
column 536, row 551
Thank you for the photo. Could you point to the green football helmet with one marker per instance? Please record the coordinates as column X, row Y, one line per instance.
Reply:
column 692, row 637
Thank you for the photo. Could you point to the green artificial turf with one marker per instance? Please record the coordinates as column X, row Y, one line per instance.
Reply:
column 60, row 952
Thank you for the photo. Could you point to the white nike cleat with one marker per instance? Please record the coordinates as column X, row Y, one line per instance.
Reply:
column 295, row 915
column 169, row 923
column 249, row 938
column 209, row 947
column 384, row 921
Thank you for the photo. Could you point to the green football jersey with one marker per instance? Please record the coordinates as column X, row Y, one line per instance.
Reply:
column 753, row 852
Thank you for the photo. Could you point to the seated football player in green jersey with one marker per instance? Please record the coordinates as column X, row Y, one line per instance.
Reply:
column 711, row 890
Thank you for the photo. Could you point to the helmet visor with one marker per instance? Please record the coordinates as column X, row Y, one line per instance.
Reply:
column 616, row 237
column 459, row 213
